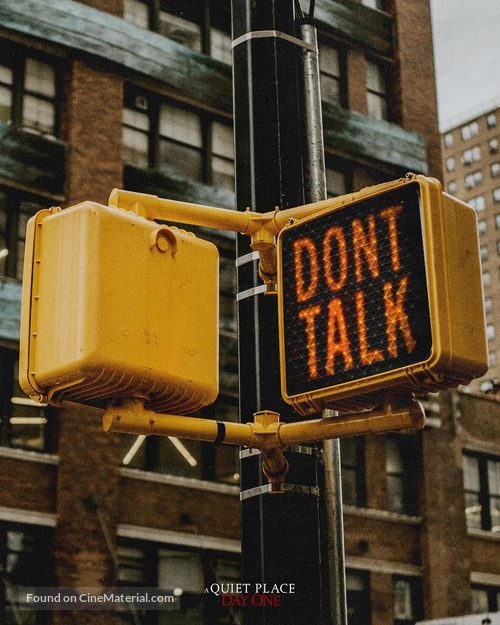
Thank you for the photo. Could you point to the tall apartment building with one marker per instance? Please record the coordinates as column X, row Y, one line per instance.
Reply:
column 471, row 157
column 137, row 94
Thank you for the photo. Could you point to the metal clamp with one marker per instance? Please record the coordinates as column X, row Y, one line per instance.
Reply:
column 264, row 34
column 269, row 489
column 256, row 290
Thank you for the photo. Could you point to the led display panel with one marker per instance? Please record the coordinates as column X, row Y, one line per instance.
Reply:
column 358, row 311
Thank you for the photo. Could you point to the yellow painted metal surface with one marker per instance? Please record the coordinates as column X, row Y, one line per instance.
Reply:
column 115, row 305
column 266, row 432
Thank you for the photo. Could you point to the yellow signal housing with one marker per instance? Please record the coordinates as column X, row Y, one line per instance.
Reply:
column 114, row 306
column 379, row 293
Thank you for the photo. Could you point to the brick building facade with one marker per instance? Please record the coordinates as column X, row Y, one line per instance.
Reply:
column 472, row 173
column 96, row 95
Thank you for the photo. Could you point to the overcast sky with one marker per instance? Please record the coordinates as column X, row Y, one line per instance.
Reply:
column 467, row 56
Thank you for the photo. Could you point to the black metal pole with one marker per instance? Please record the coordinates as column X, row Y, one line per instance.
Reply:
column 280, row 532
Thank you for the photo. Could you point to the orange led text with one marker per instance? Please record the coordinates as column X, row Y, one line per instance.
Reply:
column 341, row 278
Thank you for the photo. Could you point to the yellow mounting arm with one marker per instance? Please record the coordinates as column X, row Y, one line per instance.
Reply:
column 260, row 227
column 266, row 433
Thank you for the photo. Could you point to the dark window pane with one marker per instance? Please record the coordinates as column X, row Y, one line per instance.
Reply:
column 180, row 160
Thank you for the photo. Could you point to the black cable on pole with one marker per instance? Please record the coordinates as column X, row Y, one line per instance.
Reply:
column 300, row 13
column 299, row 10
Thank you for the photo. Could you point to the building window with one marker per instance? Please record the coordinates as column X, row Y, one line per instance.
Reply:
column 376, row 84
column 136, row 127
column 469, row 131
column 6, row 81
column 338, row 181
column 493, row 145
column 183, row 572
column 486, row 278
column 492, row 358
column 487, row 386
column 226, row 408
column 180, row 29
column 472, row 155
column 481, row 226
column 39, row 95
column 332, row 74
column 496, row 195
column 490, row 332
column 450, row 163
column 485, row 599
column 488, row 302
column 358, row 598
column 352, row 452
column 28, row 91
column 448, row 140
column 491, row 120
column 24, row 423
column 24, row 565
column 218, row 39
column 375, row 4
column 136, row 12
column 482, row 491
column 180, row 142
column 168, row 455
column 473, row 179
column 227, row 303
column 451, row 187
column 400, row 474
column 407, row 600
column 15, row 212
column 478, row 203
column 177, row 141
column 221, row 46
column 484, row 252
column 202, row 25
column 495, row 169
column 222, row 156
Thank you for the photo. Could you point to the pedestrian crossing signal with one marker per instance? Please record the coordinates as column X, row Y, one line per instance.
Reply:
column 117, row 306
column 381, row 290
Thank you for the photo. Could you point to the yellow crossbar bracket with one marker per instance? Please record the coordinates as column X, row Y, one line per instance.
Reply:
column 267, row 433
